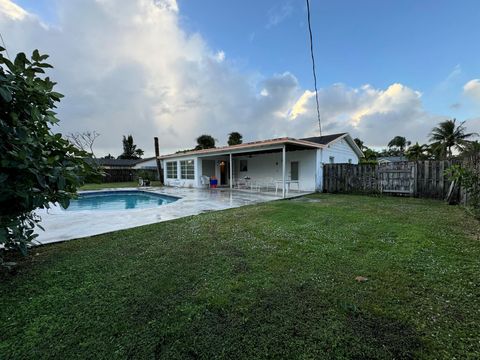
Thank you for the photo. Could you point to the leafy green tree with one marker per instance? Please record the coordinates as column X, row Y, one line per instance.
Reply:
column 398, row 144
column 359, row 143
column 447, row 136
column 205, row 142
column 130, row 150
column 417, row 152
column 235, row 138
column 38, row 166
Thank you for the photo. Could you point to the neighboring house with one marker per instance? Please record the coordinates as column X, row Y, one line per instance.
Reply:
column 148, row 163
column 391, row 159
column 282, row 161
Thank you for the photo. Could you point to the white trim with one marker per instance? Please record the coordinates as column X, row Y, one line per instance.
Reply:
column 350, row 141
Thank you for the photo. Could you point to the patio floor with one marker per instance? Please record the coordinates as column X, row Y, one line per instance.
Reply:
column 61, row 225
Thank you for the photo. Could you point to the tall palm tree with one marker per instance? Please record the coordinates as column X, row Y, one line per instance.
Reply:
column 400, row 143
column 448, row 135
column 472, row 148
column 416, row 152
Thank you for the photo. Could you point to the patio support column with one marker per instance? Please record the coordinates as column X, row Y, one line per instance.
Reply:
column 230, row 172
column 284, row 157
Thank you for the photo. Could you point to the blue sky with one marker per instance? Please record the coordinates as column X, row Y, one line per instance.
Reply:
column 379, row 42
column 384, row 67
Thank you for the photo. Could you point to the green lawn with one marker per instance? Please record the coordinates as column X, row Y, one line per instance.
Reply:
column 274, row 280
column 114, row 185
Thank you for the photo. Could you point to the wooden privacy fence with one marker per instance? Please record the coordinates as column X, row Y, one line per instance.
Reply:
column 414, row 178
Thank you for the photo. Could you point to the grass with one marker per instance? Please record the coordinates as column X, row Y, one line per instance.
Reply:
column 114, row 185
column 275, row 280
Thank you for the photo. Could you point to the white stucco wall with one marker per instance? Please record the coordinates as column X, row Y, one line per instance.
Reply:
column 342, row 153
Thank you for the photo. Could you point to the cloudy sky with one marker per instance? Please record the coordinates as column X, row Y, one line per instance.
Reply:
column 180, row 68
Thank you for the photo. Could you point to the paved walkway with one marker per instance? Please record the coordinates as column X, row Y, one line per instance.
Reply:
column 63, row 225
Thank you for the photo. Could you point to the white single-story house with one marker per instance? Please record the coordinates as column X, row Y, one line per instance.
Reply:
column 276, row 164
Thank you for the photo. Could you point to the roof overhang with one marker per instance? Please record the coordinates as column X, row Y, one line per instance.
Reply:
column 257, row 146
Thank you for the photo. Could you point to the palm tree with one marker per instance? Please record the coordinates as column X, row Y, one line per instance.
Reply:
column 359, row 143
column 472, row 148
column 417, row 152
column 448, row 135
column 400, row 143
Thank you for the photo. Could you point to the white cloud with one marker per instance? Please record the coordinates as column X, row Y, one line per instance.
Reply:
column 472, row 90
column 167, row 4
column 127, row 67
column 12, row 10
column 220, row 56
column 279, row 13
column 299, row 107
column 374, row 115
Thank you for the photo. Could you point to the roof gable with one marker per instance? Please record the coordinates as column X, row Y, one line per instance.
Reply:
column 324, row 140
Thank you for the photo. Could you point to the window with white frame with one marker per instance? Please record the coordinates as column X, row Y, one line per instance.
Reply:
column 187, row 169
column 243, row 165
column 332, row 159
column 172, row 170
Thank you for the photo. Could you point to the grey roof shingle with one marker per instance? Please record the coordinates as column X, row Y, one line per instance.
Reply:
column 323, row 140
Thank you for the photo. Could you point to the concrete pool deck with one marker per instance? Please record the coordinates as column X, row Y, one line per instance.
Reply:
column 61, row 225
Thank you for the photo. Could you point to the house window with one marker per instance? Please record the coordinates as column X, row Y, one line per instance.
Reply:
column 243, row 165
column 172, row 170
column 332, row 159
column 294, row 170
column 187, row 169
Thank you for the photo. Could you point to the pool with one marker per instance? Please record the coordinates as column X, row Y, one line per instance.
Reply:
column 119, row 200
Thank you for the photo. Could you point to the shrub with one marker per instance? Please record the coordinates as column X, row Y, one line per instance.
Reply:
column 470, row 180
column 38, row 166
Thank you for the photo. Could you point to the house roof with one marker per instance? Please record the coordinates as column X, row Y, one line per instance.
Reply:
column 326, row 139
column 316, row 142
column 119, row 162
column 247, row 146
column 392, row 159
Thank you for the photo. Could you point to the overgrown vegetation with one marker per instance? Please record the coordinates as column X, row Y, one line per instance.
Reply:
column 470, row 180
column 447, row 136
column 275, row 280
column 38, row 166
column 234, row 138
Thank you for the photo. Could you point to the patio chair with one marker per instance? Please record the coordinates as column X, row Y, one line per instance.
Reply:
column 205, row 181
column 267, row 184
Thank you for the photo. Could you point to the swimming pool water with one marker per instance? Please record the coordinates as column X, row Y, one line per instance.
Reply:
column 119, row 200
